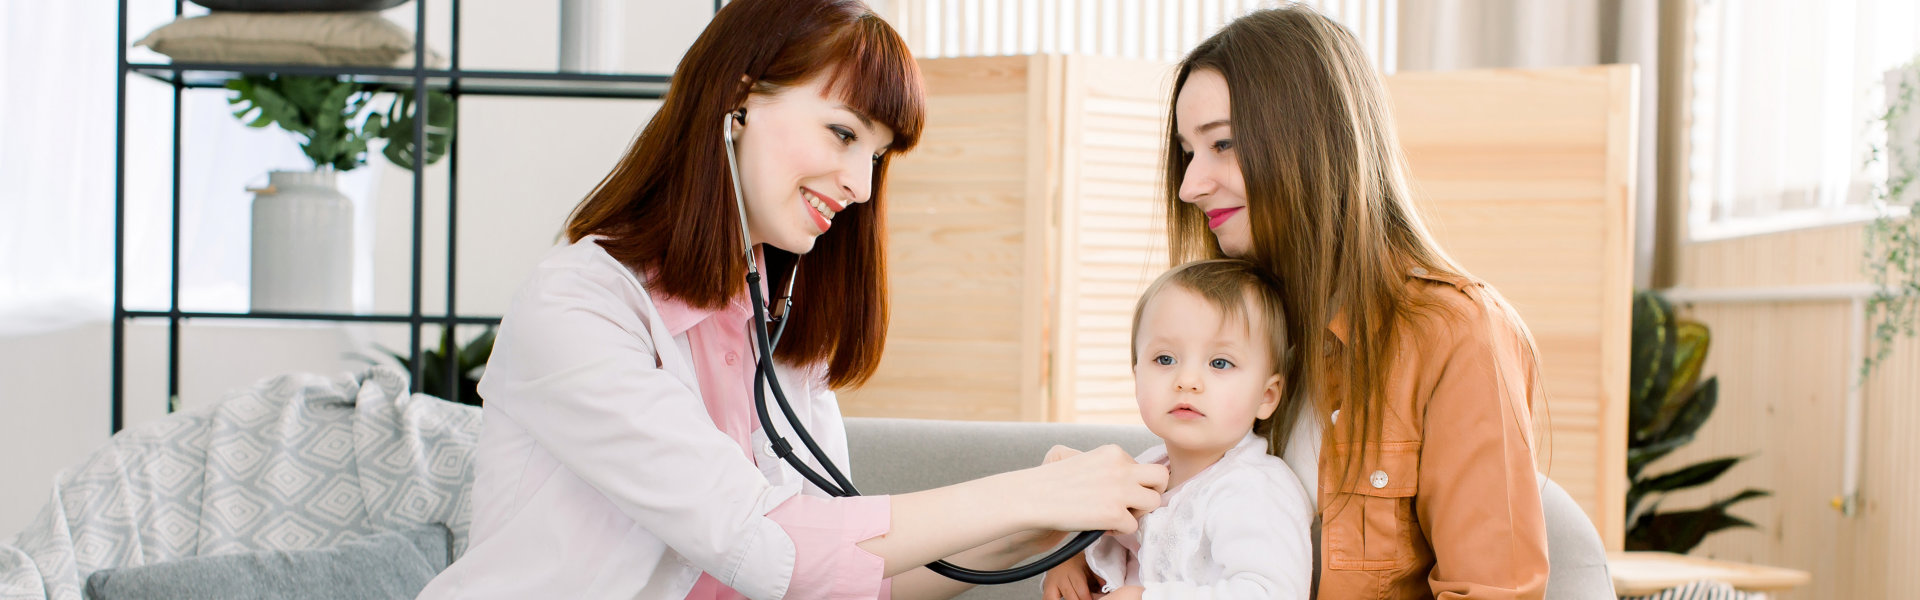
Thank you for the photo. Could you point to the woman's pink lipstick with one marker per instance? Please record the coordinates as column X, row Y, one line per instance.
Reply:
column 818, row 220
column 1218, row 216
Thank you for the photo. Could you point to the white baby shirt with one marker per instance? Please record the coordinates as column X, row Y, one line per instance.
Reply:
column 1239, row 529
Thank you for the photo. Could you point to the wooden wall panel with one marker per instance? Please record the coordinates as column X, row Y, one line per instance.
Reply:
column 1784, row 377
column 1114, row 242
column 958, row 216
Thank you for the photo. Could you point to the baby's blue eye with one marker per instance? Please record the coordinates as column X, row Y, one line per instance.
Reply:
column 1163, row 360
column 1221, row 363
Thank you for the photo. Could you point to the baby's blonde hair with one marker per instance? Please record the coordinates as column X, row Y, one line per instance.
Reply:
column 1230, row 285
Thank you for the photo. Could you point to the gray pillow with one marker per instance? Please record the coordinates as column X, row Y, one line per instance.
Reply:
column 389, row 565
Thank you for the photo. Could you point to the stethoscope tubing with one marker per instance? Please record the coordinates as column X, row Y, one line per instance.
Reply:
column 765, row 379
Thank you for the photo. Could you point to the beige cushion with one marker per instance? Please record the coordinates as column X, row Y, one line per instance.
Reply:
column 310, row 38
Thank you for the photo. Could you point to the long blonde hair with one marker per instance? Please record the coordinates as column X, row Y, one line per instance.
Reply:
column 1329, row 204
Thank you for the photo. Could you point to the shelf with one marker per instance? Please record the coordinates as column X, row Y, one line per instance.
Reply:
column 286, row 316
column 464, row 82
column 182, row 76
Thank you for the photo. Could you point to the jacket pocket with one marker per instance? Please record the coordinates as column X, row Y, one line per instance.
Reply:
column 1369, row 524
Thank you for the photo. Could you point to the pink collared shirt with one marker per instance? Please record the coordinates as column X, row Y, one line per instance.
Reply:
column 723, row 359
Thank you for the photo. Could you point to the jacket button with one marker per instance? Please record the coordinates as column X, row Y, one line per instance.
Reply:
column 732, row 358
column 1379, row 479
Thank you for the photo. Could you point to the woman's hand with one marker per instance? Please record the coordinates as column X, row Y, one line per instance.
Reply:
column 1069, row 581
column 1033, row 542
column 1059, row 453
column 1101, row 490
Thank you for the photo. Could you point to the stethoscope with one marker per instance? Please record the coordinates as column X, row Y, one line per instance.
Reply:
column 764, row 379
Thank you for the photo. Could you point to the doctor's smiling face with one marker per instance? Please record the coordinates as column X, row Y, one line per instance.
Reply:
column 805, row 156
column 1213, row 182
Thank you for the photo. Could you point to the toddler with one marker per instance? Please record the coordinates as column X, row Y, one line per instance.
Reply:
column 1209, row 348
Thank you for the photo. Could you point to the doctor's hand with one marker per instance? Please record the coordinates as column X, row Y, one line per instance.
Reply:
column 1059, row 453
column 1101, row 490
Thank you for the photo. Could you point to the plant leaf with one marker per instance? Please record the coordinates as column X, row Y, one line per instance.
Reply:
column 1680, row 531
column 1652, row 361
column 1638, row 458
column 1698, row 474
column 319, row 110
column 1636, row 516
column 1743, row 496
column 477, row 351
column 438, row 131
column 1694, row 411
column 1692, row 340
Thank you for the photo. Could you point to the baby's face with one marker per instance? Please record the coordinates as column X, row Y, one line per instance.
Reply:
column 1200, row 379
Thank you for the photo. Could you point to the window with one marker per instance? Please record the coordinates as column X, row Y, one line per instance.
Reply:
column 1781, row 121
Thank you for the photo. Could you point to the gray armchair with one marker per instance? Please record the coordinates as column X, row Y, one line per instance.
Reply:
column 904, row 455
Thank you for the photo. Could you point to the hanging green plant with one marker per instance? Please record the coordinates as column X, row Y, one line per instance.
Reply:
column 325, row 113
column 1893, row 239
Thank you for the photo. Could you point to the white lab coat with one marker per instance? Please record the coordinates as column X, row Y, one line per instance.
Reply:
column 599, row 473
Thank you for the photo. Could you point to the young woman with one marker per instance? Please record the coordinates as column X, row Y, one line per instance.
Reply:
column 620, row 457
column 1407, row 416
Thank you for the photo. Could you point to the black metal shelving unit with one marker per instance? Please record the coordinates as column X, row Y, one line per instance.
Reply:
column 454, row 81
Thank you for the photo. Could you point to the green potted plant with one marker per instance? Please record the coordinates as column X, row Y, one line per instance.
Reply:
column 468, row 361
column 302, row 257
column 1667, row 404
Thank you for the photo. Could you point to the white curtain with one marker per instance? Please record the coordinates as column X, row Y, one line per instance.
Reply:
column 56, row 153
column 57, row 78
column 1785, row 95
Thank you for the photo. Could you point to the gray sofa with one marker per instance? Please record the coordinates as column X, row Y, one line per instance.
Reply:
column 903, row 455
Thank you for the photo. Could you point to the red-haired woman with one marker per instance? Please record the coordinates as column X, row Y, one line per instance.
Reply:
column 620, row 457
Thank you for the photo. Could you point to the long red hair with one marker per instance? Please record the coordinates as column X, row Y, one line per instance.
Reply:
column 667, row 208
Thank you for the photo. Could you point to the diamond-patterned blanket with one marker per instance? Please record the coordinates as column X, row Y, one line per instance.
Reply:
column 296, row 462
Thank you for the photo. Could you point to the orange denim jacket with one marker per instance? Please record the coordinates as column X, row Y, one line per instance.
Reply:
column 1447, row 505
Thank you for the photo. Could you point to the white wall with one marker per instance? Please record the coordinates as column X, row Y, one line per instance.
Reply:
column 524, row 164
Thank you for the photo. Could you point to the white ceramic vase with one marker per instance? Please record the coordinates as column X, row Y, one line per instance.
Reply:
column 302, row 244
column 590, row 35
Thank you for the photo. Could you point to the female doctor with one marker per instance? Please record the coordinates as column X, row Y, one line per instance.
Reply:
column 620, row 457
